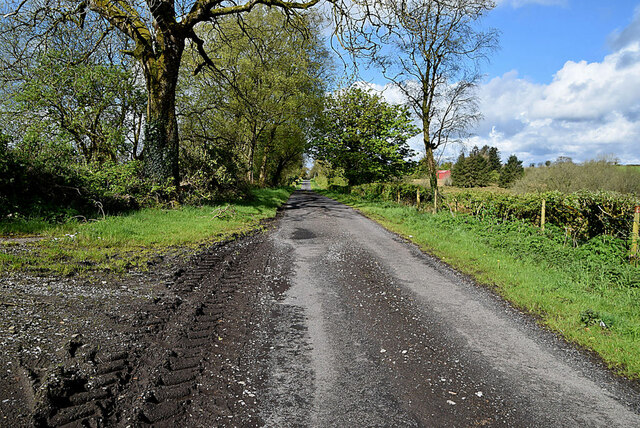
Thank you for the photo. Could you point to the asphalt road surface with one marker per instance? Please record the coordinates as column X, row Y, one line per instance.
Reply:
column 372, row 332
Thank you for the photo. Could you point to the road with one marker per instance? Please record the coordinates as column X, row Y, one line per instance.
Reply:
column 372, row 332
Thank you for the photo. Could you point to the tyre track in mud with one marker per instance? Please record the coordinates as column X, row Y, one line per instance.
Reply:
column 197, row 366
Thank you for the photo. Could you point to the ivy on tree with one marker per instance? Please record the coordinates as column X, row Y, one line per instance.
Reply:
column 364, row 136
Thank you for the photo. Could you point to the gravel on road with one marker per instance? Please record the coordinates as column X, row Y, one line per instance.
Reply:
column 393, row 337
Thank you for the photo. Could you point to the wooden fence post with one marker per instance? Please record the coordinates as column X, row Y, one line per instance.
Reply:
column 398, row 195
column 418, row 198
column 634, row 234
column 543, row 214
column 435, row 200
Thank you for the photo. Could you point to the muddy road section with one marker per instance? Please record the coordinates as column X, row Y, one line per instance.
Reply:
column 373, row 332
column 178, row 346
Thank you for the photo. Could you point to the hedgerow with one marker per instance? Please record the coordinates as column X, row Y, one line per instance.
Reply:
column 404, row 193
column 582, row 215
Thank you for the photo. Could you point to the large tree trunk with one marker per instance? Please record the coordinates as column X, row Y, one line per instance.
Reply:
column 265, row 156
column 161, row 129
column 278, row 171
column 431, row 162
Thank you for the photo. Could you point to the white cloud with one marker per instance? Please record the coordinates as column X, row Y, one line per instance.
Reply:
column 589, row 109
column 389, row 92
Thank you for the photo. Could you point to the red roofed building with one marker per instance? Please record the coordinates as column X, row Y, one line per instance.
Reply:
column 444, row 177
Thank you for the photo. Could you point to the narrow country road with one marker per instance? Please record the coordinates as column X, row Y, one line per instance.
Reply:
column 372, row 332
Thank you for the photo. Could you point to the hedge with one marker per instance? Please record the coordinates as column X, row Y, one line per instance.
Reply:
column 583, row 215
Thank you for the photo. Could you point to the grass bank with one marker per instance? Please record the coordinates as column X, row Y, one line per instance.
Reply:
column 588, row 293
column 119, row 243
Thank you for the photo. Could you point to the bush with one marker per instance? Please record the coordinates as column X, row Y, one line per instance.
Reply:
column 405, row 193
column 568, row 177
column 583, row 215
column 36, row 187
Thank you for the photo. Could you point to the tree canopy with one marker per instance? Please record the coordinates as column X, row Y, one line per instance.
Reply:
column 364, row 136
column 511, row 171
column 154, row 32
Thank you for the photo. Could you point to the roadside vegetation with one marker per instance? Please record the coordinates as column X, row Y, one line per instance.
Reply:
column 75, row 140
column 120, row 243
column 567, row 176
column 80, row 189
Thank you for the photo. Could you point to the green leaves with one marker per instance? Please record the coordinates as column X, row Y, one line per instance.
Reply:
column 511, row 171
column 365, row 136
column 260, row 99
column 582, row 215
column 88, row 104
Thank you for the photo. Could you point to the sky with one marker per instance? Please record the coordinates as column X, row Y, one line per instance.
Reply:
column 565, row 82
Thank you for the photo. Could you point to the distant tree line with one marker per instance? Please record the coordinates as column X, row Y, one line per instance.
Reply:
column 482, row 167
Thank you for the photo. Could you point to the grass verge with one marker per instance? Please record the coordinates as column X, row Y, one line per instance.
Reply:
column 119, row 243
column 589, row 293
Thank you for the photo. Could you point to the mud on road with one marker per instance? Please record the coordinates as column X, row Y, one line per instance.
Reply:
column 177, row 347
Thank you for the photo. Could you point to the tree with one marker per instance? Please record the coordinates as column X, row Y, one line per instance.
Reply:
column 157, row 32
column 511, row 171
column 74, row 91
column 460, row 172
column 493, row 158
column 95, row 106
column 492, row 155
column 261, row 97
column 365, row 136
column 472, row 170
column 433, row 57
column 564, row 159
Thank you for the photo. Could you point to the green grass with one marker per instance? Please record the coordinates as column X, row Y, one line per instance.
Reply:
column 570, row 289
column 119, row 243
column 24, row 227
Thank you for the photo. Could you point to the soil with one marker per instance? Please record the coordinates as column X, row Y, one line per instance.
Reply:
column 173, row 345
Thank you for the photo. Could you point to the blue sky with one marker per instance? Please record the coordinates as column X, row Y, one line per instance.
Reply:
column 538, row 37
column 565, row 82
